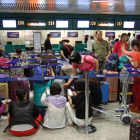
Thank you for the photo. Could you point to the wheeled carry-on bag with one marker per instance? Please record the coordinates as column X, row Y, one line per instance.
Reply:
column 113, row 85
column 135, row 129
column 39, row 89
column 104, row 89
column 14, row 85
column 4, row 93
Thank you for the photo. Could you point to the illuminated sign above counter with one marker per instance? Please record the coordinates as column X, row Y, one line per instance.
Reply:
column 36, row 24
column 105, row 24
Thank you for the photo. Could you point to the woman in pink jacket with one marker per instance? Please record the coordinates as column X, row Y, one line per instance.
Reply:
column 120, row 45
column 2, row 107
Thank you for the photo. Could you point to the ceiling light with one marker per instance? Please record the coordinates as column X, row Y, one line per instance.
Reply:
column 107, row 1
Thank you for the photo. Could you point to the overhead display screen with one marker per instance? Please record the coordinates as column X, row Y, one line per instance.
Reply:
column 105, row 24
column 9, row 23
column 83, row 24
column 62, row 23
column 129, row 24
column 37, row 24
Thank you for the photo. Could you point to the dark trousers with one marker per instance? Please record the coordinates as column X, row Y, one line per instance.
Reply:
column 42, row 112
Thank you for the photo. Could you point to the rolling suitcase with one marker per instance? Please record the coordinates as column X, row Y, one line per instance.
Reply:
column 4, row 93
column 113, row 85
column 60, row 82
column 14, row 85
column 104, row 89
column 134, row 129
column 39, row 89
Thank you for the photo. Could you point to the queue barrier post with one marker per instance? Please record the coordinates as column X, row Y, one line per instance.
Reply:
column 86, row 129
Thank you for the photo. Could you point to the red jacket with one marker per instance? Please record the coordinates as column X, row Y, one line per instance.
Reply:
column 117, row 48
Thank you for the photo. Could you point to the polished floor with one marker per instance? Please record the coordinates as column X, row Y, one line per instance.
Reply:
column 107, row 129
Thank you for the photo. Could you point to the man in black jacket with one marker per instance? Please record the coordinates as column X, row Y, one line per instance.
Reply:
column 47, row 43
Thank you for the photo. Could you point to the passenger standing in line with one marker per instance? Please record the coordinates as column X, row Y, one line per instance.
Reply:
column 90, row 43
column 131, row 39
column 101, row 49
column 109, row 39
column 47, row 43
column 120, row 45
column 135, row 62
column 119, row 37
column 86, row 38
column 66, row 49
column 112, row 42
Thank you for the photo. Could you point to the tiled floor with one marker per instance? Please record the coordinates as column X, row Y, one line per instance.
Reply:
column 107, row 129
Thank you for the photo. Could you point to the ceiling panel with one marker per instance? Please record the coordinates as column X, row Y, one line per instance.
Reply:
column 71, row 6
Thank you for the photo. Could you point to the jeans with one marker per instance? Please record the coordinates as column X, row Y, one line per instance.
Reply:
column 42, row 112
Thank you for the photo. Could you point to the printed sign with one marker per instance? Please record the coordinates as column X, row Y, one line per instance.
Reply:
column 37, row 42
column 55, row 34
column 107, row 34
column 72, row 34
column 29, row 35
column 12, row 34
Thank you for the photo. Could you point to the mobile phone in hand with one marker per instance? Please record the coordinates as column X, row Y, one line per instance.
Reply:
column 48, row 91
column 70, row 92
column 5, row 100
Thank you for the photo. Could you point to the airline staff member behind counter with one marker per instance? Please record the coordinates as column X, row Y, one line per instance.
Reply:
column 84, row 63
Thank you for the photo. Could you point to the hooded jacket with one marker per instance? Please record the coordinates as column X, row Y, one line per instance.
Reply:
column 23, row 112
column 55, row 114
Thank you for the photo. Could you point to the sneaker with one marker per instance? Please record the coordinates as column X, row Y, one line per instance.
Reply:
column 3, row 118
column 69, row 124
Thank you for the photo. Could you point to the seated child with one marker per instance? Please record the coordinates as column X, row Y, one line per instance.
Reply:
column 54, row 116
column 23, row 114
column 75, row 108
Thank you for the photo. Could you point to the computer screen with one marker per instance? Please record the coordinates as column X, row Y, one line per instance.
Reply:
column 9, row 23
column 129, row 24
column 62, row 23
column 78, row 42
column 9, row 42
column 82, row 24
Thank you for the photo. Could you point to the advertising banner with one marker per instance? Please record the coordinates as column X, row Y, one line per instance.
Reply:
column 37, row 42
column 12, row 34
column 107, row 34
column 55, row 34
column 72, row 34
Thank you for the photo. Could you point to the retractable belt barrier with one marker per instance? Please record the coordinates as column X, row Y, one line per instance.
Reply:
column 65, row 77
column 37, row 59
column 28, row 66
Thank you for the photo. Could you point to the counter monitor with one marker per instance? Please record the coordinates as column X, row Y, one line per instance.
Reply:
column 62, row 23
column 129, row 24
column 83, row 24
column 9, row 23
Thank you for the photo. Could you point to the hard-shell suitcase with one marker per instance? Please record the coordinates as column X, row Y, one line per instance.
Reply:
column 14, row 85
column 104, row 89
column 113, row 85
column 60, row 82
column 134, row 129
column 39, row 89
column 4, row 93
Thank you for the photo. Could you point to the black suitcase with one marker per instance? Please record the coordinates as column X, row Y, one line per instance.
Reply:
column 134, row 129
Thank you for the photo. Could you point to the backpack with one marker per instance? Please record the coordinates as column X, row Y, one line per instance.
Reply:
column 91, row 54
column 112, row 62
column 42, row 72
column 3, row 61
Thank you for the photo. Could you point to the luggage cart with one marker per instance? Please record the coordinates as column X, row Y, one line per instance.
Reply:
column 123, row 108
